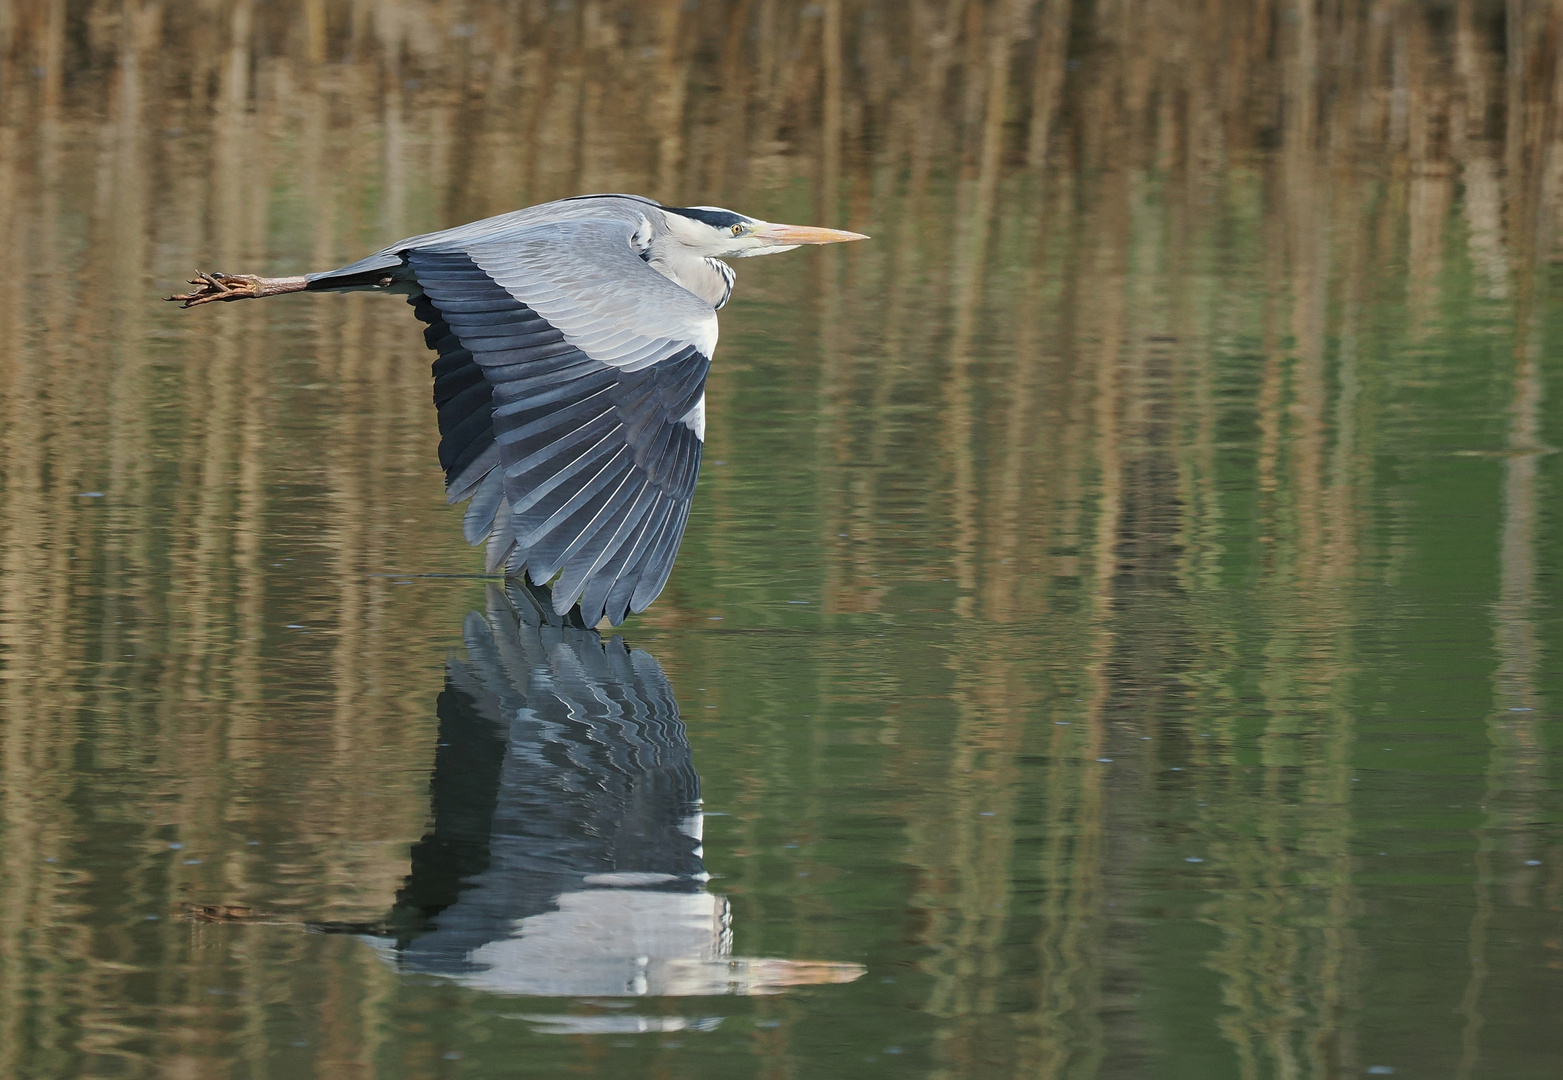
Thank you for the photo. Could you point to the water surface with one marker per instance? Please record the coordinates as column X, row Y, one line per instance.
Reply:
column 1115, row 635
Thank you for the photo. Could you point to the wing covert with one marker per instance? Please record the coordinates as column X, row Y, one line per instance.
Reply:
column 584, row 277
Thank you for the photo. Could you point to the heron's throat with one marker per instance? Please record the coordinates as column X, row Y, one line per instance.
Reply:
column 708, row 278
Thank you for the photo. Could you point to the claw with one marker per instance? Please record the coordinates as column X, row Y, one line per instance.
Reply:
column 218, row 286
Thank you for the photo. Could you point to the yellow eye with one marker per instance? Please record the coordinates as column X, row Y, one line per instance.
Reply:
column 738, row 230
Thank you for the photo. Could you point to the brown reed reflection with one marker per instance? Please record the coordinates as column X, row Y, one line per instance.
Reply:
column 1507, row 852
column 1114, row 369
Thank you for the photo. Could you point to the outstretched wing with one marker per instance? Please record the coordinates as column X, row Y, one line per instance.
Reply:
column 570, row 387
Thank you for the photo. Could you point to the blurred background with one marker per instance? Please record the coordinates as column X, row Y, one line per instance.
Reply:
column 1118, row 610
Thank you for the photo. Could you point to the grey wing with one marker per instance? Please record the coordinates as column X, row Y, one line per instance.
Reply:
column 570, row 388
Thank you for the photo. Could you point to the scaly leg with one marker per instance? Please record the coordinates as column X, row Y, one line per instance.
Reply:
column 211, row 287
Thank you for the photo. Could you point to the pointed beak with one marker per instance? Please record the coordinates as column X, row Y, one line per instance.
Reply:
column 793, row 235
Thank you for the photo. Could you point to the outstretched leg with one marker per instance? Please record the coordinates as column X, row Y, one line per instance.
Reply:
column 211, row 287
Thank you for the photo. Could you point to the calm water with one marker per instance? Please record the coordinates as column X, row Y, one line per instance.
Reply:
column 1116, row 634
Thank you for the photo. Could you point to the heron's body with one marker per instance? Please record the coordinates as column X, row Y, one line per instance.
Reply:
column 574, row 339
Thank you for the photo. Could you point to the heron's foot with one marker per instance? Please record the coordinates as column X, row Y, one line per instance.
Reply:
column 210, row 287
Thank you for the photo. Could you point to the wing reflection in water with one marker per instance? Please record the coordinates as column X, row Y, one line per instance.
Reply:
column 565, row 855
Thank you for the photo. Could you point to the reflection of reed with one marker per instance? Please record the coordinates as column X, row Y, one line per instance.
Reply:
column 1124, row 249
column 1286, row 959
column 1507, row 851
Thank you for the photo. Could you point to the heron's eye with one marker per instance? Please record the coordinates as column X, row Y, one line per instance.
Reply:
column 738, row 230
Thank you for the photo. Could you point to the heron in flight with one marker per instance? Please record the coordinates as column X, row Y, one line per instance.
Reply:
column 574, row 339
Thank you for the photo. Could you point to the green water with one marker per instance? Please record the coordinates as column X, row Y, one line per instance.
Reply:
column 1115, row 635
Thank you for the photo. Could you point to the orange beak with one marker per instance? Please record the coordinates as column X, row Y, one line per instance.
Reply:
column 803, row 234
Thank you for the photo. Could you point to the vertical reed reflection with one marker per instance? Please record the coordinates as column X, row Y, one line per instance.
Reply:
column 1163, row 300
column 1516, row 775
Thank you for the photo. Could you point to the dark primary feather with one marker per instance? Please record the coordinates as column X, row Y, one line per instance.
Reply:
column 575, row 467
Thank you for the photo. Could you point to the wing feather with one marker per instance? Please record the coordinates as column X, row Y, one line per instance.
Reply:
column 609, row 551
column 567, row 368
column 619, row 550
column 591, row 518
column 466, row 481
column 487, row 494
column 660, row 564
column 543, row 518
column 617, row 602
column 562, row 469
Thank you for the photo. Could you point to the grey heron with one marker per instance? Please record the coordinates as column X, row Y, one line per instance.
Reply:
column 573, row 342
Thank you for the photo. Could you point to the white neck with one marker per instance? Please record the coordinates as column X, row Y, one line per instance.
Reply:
column 710, row 279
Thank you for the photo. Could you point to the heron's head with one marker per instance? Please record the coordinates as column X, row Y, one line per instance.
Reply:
column 724, row 234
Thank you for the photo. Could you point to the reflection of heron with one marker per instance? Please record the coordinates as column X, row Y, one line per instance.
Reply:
column 565, row 854
column 574, row 339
